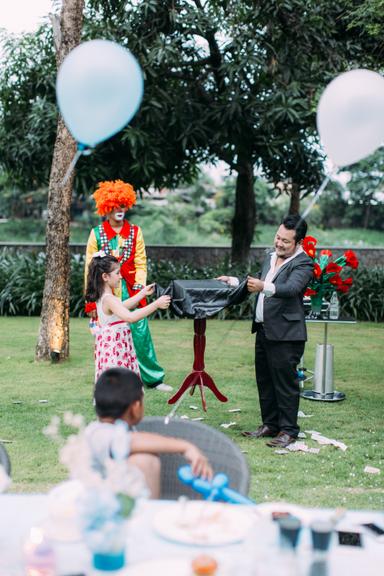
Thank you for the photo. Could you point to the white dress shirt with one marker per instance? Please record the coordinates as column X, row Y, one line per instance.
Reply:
column 269, row 287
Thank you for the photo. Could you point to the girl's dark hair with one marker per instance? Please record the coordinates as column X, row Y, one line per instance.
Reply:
column 116, row 389
column 95, row 283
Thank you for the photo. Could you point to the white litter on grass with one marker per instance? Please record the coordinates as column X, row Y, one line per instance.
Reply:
column 228, row 424
column 193, row 407
column 233, row 410
column 198, row 418
column 4, row 441
column 301, row 435
column 16, row 402
column 323, row 440
column 298, row 447
column 184, row 417
column 371, row 470
column 43, row 401
column 301, row 414
column 302, row 447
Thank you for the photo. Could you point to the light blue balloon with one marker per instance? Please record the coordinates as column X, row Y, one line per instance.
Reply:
column 99, row 88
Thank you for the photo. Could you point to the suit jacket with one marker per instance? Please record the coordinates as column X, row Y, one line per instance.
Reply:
column 284, row 311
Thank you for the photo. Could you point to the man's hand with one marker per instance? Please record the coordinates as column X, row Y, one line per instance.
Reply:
column 198, row 462
column 254, row 284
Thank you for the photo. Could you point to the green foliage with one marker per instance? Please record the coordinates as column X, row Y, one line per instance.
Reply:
column 17, row 204
column 216, row 221
column 28, row 107
column 223, row 80
column 235, row 81
column 367, row 17
column 365, row 299
column 22, row 283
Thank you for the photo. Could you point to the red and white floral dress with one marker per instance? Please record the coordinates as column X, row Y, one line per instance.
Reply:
column 113, row 343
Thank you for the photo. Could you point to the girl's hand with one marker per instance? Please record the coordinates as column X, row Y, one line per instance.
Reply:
column 148, row 290
column 163, row 302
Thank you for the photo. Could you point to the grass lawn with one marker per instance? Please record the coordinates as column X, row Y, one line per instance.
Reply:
column 331, row 478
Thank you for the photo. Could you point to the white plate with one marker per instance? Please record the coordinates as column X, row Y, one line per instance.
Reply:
column 204, row 523
column 171, row 566
column 266, row 510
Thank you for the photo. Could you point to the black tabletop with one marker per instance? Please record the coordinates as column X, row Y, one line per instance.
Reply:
column 202, row 298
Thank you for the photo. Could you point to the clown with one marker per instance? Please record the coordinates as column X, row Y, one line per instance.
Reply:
column 116, row 236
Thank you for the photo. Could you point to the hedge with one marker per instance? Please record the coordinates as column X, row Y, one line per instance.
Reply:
column 22, row 284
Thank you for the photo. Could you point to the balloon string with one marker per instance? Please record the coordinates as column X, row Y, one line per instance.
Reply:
column 71, row 166
column 316, row 196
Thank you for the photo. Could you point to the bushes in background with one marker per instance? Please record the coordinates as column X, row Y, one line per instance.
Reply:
column 22, row 284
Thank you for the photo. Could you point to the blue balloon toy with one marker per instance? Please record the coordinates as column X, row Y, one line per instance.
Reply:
column 99, row 89
column 214, row 490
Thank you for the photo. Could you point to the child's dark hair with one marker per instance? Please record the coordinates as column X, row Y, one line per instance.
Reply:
column 95, row 284
column 116, row 389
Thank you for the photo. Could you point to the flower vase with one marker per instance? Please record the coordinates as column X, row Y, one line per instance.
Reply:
column 316, row 304
column 107, row 544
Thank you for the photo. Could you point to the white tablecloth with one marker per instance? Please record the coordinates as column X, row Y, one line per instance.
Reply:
column 258, row 555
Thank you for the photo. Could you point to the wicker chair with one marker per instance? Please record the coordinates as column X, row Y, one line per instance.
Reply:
column 4, row 460
column 222, row 453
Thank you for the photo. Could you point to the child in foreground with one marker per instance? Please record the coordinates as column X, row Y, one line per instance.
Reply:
column 113, row 343
column 119, row 406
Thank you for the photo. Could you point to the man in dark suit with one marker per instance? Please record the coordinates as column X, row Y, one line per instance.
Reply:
column 280, row 331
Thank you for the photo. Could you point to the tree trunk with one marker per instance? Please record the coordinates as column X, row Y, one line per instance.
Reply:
column 294, row 205
column 243, row 224
column 53, row 339
column 367, row 215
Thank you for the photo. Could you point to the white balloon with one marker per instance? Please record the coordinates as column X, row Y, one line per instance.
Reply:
column 99, row 89
column 350, row 116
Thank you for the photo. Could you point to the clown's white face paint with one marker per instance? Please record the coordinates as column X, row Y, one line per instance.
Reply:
column 119, row 216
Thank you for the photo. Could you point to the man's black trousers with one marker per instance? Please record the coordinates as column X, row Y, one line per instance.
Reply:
column 276, row 376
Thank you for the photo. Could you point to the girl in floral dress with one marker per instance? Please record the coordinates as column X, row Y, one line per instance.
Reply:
column 113, row 343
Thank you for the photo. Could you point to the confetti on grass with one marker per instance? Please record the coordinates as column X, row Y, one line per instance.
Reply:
column 371, row 470
column 323, row 440
column 301, row 414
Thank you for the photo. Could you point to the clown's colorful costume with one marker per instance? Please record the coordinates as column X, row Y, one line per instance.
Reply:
column 128, row 246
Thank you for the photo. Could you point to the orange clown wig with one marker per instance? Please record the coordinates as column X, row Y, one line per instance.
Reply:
column 112, row 195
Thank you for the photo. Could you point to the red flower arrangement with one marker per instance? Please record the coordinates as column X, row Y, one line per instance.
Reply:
column 327, row 274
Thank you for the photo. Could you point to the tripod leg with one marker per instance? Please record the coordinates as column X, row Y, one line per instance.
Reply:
column 202, row 393
column 189, row 381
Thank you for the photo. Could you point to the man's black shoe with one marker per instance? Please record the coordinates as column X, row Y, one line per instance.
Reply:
column 262, row 432
column 281, row 441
